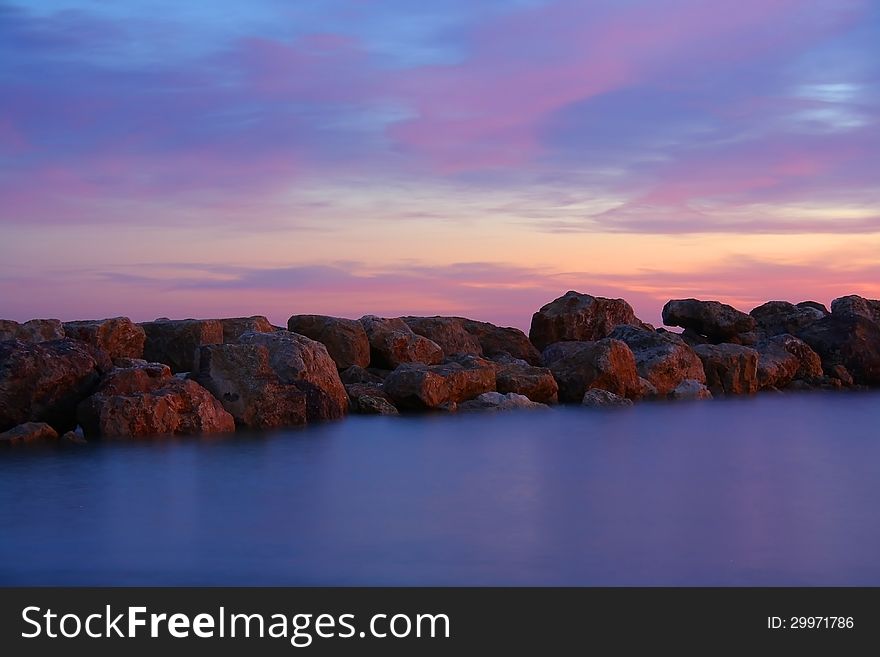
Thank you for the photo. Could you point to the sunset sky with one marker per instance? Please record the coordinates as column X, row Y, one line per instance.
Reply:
column 471, row 157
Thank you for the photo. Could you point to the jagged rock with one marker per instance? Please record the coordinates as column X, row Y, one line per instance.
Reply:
column 448, row 332
column 393, row 343
column 34, row 330
column 29, row 433
column 777, row 317
column 857, row 306
column 607, row 364
column 497, row 341
column 345, row 339
column 414, row 385
column 43, row 382
column 240, row 376
column 536, row 383
column 150, row 401
column 496, row 401
column 598, row 398
column 663, row 358
column 730, row 369
column 118, row 337
column 713, row 319
column 850, row 340
column 579, row 317
column 357, row 374
column 690, row 389
column 301, row 361
column 809, row 364
column 234, row 327
column 777, row 367
column 176, row 343
column 370, row 399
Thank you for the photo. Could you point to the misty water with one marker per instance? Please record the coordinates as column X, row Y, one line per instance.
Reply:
column 773, row 490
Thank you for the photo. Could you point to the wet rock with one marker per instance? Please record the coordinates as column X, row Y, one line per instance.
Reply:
column 44, row 382
column 536, row 383
column 29, row 433
column 608, row 364
column 663, row 358
column 497, row 341
column 579, row 317
column 118, row 337
column 730, row 369
column 34, row 330
column 448, row 332
column 777, row 367
column 598, row 398
column 393, row 343
column 809, row 363
column 418, row 386
column 854, row 305
column 241, row 377
column 370, row 399
column 496, row 401
column 176, row 343
column 234, row 327
column 713, row 319
column 305, row 363
column 345, row 339
column 777, row 317
column 850, row 340
column 150, row 401
column 690, row 389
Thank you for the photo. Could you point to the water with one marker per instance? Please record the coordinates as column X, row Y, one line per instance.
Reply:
column 775, row 490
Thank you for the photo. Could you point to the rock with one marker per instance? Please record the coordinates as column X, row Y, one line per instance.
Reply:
column 842, row 374
column 369, row 399
column 73, row 438
column 176, row 342
column 393, row 343
column 713, row 319
column 664, row 359
column 150, row 401
column 854, row 305
column 506, row 359
column 498, row 341
column 496, row 401
column 418, row 386
column 448, row 332
column 730, row 369
column 579, row 317
column 809, row 363
column 345, row 339
column 29, row 433
column 850, row 340
column 777, row 367
column 357, row 374
column 536, row 383
column 598, row 398
column 43, row 382
column 777, row 317
column 690, row 389
column 240, row 376
column 814, row 304
column 305, row 363
column 692, row 338
column 607, row 364
column 34, row 330
column 647, row 389
column 559, row 350
column 118, row 337
column 234, row 327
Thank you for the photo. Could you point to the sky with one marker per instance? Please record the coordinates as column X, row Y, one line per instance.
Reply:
column 477, row 158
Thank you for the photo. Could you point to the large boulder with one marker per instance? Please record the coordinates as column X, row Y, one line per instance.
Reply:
column 607, row 364
column 536, row 383
column 393, row 343
column 448, row 332
column 777, row 317
column 176, row 343
column 44, row 382
column 240, row 376
column 305, row 363
column 118, row 337
column 29, row 433
column 234, row 327
column 713, row 319
column 579, row 317
column 496, row 401
column 854, row 305
column 777, row 367
column 418, row 386
column 34, row 330
column 809, row 364
column 345, row 339
column 663, row 358
column 149, row 401
column 730, row 368
column 502, row 340
column 370, row 399
column 850, row 340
